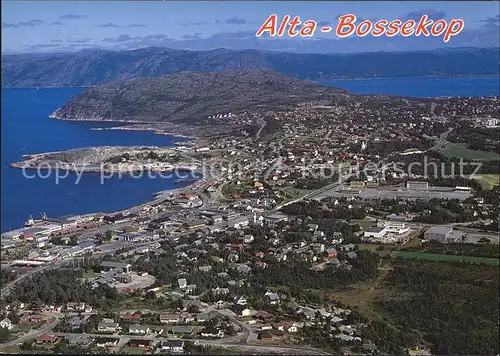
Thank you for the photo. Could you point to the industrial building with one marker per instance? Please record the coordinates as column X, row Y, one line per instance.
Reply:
column 109, row 265
column 442, row 234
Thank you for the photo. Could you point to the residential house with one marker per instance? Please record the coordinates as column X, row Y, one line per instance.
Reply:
column 131, row 318
column 286, row 326
column 75, row 306
column 348, row 247
column 331, row 252
column 140, row 343
column 265, row 335
column 260, row 264
column 207, row 268
column 240, row 300
column 190, row 303
column 182, row 330
column 239, row 222
column 75, row 322
column 272, row 297
column 201, row 318
column 220, row 291
column 46, row 339
column 32, row 319
column 170, row 318
column 263, row 315
column 307, row 313
column 106, row 342
column 137, row 329
column 6, row 324
column 240, row 310
column 78, row 340
column 182, row 283
column 336, row 321
column 172, row 346
column 108, row 327
column 212, row 332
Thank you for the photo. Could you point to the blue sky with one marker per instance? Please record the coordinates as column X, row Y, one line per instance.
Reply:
column 58, row 26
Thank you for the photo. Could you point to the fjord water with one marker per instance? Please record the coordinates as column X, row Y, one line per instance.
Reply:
column 26, row 128
column 423, row 87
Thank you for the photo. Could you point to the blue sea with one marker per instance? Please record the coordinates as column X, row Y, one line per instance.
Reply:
column 423, row 87
column 27, row 129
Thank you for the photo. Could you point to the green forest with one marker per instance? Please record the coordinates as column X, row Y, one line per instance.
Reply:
column 452, row 306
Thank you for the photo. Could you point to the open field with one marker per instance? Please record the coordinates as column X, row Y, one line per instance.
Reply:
column 449, row 258
column 18, row 350
column 133, row 350
column 460, row 150
column 365, row 224
column 488, row 181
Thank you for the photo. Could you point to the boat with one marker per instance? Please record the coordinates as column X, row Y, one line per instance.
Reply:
column 31, row 221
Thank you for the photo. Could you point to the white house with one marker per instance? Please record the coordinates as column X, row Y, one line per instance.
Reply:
column 182, row 283
column 139, row 329
column 6, row 324
column 241, row 300
column 172, row 346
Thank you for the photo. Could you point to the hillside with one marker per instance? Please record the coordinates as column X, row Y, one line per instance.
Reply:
column 186, row 97
column 93, row 67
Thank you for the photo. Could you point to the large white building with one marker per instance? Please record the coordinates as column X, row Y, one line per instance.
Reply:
column 376, row 232
column 396, row 227
column 442, row 234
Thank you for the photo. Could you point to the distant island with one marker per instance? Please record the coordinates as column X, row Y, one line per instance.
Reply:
column 94, row 67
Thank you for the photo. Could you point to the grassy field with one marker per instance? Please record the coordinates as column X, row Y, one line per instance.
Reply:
column 18, row 350
column 294, row 193
column 133, row 350
column 460, row 150
column 449, row 258
column 365, row 224
column 488, row 181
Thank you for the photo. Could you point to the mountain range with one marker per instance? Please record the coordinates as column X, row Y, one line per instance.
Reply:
column 94, row 67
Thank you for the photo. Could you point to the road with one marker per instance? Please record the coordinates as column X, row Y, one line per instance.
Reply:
column 32, row 334
column 315, row 193
column 441, row 142
column 263, row 124
column 226, row 343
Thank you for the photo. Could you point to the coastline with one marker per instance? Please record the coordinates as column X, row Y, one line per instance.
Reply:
column 156, row 131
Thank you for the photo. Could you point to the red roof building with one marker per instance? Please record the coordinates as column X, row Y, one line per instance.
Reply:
column 46, row 339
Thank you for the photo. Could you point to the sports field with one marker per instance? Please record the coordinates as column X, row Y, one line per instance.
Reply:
column 460, row 150
column 438, row 257
column 488, row 181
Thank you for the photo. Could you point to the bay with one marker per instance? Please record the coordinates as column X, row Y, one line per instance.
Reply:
column 27, row 129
